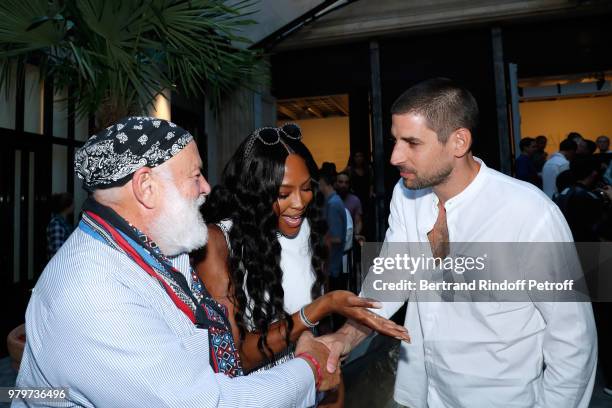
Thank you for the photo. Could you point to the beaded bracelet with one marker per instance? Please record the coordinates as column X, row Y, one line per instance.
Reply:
column 316, row 364
column 305, row 320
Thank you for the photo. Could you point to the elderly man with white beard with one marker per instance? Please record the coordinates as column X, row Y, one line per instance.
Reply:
column 118, row 318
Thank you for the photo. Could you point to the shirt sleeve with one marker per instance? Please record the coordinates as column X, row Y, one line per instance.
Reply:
column 549, row 179
column 570, row 343
column 336, row 219
column 114, row 348
column 396, row 233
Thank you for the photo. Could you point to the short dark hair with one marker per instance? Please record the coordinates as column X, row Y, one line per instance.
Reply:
column 343, row 173
column 591, row 146
column 568, row 145
column 526, row 142
column 574, row 135
column 328, row 173
column 583, row 166
column 445, row 105
column 60, row 202
column 541, row 137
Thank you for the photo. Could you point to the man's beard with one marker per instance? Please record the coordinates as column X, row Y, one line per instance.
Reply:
column 439, row 177
column 180, row 227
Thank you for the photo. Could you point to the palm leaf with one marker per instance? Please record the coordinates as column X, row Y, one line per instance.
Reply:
column 127, row 52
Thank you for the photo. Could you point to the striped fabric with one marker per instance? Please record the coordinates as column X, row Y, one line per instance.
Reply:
column 99, row 325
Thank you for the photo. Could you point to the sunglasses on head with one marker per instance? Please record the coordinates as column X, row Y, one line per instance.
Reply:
column 270, row 136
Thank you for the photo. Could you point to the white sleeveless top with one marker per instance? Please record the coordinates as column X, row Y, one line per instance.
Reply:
column 298, row 274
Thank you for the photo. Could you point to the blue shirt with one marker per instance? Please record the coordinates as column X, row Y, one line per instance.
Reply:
column 526, row 170
column 336, row 222
column 102, row 327
column 58, row 231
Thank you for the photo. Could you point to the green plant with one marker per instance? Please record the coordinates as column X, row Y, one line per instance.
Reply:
column 119, row 54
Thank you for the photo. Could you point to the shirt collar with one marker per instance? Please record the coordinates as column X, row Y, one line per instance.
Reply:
column 467, row 193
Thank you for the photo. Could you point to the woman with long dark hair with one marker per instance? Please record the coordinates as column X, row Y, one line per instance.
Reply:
column 265, row 255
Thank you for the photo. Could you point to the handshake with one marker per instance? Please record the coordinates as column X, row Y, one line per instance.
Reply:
column 325, row 353
column 319, row 357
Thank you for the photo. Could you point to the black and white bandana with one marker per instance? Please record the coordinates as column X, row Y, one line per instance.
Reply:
column 110, row 157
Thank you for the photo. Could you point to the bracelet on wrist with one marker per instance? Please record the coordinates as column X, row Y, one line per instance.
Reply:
column 305, row 320
column 315, row 363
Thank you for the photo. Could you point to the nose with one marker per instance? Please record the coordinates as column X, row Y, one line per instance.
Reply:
column 204, row 186
column 396, row 156
column 297, row 202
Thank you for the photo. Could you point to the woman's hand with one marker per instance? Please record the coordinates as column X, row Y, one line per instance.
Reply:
column 356, row 308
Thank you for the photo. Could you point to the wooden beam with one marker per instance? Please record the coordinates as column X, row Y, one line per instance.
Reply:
column 287, row 112
column 315, row 112
column 339, row 105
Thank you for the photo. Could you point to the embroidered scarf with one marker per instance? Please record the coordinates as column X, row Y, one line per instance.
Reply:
column 106, row 225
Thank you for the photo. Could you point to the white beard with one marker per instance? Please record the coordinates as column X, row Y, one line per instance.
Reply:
column 180, row 227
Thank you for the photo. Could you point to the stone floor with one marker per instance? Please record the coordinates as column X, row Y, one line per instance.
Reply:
column 368, row 377
column 369, row 380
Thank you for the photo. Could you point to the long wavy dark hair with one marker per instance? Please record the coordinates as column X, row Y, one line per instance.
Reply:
column 249, row 188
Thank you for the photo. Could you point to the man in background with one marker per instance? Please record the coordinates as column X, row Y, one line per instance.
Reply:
column 525, row 168
column 558, row 163
column 604, row 155
column 335, row 214
column 59, row 227
column 351, row 202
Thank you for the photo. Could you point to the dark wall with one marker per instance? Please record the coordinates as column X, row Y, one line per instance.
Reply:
column 320, row 71
column 332, row 70
column 560, row 47
column 463, row 56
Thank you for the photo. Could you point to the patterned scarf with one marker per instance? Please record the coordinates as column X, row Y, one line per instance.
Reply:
column 106, row 225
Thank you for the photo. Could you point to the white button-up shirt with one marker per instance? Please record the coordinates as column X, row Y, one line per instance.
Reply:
column 102, row 327
column 552, row 168
column 491, row 354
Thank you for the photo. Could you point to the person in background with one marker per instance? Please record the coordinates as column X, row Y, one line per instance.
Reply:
column 335, row 215
column 539, row 156
column 361, row 174
column 351, row 202
column 603, row 144
column 581, row 146
column 525, row 169
column 582, row 207
column 591, row 147
column 59, row 227
column 557, row 163
column 604, row 155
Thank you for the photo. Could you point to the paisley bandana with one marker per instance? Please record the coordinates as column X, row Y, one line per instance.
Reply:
column 110, row 157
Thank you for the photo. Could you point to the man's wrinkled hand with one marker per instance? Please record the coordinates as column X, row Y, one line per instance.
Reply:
column 339, row 347
column 320, row 352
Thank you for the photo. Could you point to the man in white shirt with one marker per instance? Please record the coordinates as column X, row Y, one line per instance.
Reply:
column 558, row 163
column 474, row 354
